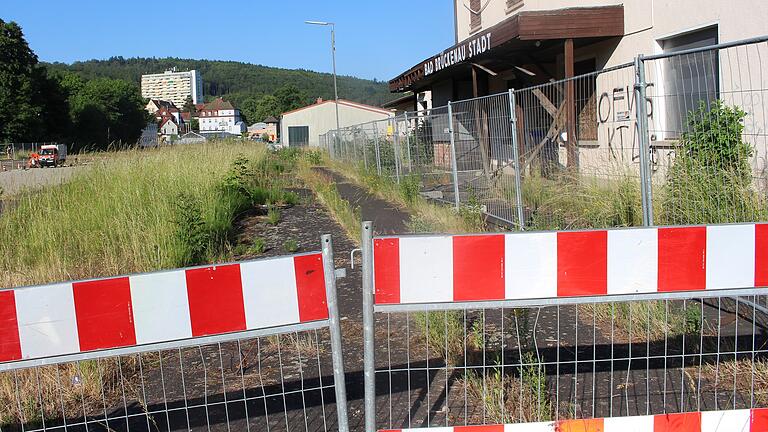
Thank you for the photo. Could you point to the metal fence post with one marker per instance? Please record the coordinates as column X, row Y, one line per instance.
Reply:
column 376, row 146
column 454, row 164
column 369, row 365
column 516, row 156
column 335, row 329
column 363, row 142
column 396, row 147
column 407, row 141
column 644, row 141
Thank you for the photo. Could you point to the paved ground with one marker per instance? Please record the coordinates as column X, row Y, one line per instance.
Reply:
column 386, row 217
column 12, row 182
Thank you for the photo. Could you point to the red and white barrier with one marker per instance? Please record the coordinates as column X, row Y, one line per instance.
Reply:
column 69, row 318
column 754, row 420
column 433, row 269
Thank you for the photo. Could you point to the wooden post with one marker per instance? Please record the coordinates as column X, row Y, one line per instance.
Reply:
column 570, row 103
column 481, row 127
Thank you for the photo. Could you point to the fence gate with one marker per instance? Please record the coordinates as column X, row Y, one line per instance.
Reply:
column 253, row 345
column 558, row 327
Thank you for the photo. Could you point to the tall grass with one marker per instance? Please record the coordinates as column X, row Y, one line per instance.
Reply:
column 129, row 212
column 579, row 203
column 120, row 215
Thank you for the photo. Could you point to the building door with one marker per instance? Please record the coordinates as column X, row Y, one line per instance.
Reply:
column 298, row 136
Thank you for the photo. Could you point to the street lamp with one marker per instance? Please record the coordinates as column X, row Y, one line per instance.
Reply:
column 333, row 54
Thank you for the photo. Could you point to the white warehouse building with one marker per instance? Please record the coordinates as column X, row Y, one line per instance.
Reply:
column 303, row 126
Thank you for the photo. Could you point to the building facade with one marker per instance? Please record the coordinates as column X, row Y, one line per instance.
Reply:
column 302, row 127
column 173, row 86
column 268, row 127
column 220, row 116
column 540, row 45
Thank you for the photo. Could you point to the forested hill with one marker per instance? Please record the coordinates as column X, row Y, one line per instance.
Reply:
column 234, row 80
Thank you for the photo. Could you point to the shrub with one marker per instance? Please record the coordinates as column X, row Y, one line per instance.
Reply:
column 710, row 180
column 471, row 214
column 191, row 228
column 409, row 188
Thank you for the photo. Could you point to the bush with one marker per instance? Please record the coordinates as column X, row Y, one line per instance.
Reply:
column 410, row 186
column 471, row 214
column 191, row 228
column 710, row 180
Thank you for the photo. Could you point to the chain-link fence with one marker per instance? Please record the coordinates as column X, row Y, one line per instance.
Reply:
column 584, row 152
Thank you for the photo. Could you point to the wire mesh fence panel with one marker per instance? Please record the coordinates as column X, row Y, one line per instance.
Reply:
column 579, row 145
column 278, row 382
column 428, row 147
column 253, row 345
column 511, row 328
column 707, row 127
column 484, row 155
column 580, row 160
column 471, row 366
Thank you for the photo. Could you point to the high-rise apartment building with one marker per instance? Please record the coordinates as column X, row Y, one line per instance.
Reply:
column 173, row 86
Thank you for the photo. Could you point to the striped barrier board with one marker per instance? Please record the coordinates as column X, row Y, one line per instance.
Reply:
column 536, row 265
column 76, row 317
column 754, row 420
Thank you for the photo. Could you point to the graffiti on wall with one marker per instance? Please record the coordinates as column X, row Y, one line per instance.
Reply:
column 617, row 125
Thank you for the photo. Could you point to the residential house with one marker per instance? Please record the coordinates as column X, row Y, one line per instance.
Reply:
column 168, row 127
column 220, row 116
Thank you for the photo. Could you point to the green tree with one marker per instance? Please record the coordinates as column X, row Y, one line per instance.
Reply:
column 194, row 124
column 258, row 109
column 105, row 111
column 189, row 105
column 20, row 110
column 289, row 97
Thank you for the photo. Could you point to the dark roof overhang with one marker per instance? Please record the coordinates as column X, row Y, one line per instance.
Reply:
column 519, row 32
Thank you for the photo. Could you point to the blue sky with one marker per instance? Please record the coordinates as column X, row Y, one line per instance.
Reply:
column 374, row 39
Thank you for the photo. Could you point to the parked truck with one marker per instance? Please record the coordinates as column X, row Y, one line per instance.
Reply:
column 53, row 155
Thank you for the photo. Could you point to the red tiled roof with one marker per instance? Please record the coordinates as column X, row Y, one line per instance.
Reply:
column 218, row 104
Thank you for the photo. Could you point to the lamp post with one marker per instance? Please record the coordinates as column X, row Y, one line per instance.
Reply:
column 333, row 55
